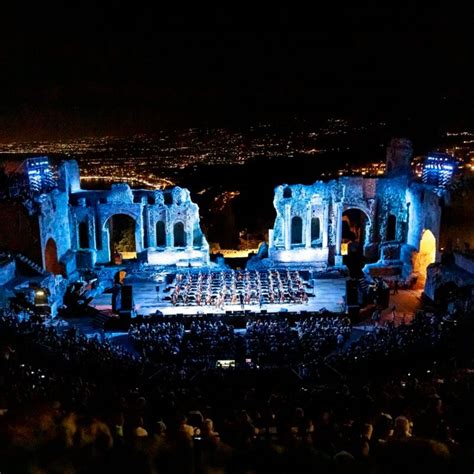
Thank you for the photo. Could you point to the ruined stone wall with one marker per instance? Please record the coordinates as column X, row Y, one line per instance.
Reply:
column 119, row 200
column 305, row 203
column 357, row 193
column 425, row 205
column 391, row 194
column 69, row 177
column 399, row 153
column 411, row 208
column 69, row 226
column 147, row 209
column 424, row 212
column 32, row 223
column 326, row 202
column 180, row 209
column 54, row 224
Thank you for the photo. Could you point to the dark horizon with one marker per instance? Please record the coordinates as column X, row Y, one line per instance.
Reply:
column 103, row 71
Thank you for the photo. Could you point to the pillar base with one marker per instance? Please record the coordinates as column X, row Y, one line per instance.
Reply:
column 338, row 261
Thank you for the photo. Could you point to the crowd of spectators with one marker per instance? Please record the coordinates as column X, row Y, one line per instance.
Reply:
column 426, row 335
column 206, row 341
column 211, row 339
column 157, row 341
column 320, row 336
column 72, row 404
column 273, row 341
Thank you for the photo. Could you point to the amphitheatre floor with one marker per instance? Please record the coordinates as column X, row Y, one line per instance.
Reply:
column 328, row 294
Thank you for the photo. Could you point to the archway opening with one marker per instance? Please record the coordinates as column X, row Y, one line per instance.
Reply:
column 122, row 237
column 391, row 233
column 51, row 262
column 160, row 234
column 315, row 231
column 197, row 237
column 83, row 235
column 296, row 230
column 167, row 198
column 425, row 257
column 354, row 222
column 287, row 193
column 179, row 235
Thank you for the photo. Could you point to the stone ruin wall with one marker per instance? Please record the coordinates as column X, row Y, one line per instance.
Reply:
column 416, row 208
column 60, row 213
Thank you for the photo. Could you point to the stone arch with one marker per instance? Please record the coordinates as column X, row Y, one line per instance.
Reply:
column 122, row 229
column 179, row 235
column 83, row 235
column 315, row 229
column 160, row 234
column 425, row 256
column 362, row 208
column 51, row 261
column 355, row 222
column 117, row 210
column 296, row 230
column 391, row 230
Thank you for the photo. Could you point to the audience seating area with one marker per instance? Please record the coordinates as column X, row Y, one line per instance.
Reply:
column 397, row 399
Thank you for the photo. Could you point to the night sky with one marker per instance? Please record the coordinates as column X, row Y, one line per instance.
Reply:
column 125, row 69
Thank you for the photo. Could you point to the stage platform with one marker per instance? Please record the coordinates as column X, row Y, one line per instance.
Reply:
column 149, row 297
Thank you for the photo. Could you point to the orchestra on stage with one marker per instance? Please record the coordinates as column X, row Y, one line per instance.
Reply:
column 239, row 287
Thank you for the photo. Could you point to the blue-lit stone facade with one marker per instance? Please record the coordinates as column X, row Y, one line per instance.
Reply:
column 68, row 228
column 376, row 198
column 45, row 226
column 396, row 213
column 147, row 209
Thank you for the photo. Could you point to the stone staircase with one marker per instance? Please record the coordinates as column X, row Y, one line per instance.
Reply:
column 34, row 266
column 363, row 284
